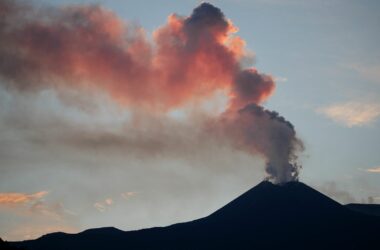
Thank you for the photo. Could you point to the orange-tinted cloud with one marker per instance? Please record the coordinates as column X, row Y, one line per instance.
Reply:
column 373, row 170
column 128, row 195
column 32, row 205
column 351, row 114
column 39, row 216
column 90, row 47
column 101, row 206
column 20, row 198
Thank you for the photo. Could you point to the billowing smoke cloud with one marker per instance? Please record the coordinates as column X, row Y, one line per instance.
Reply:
column 266, row 133
column 88, row 45
column 189, row 59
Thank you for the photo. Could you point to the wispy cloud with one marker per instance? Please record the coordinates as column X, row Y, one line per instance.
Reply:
column 352, row 114
column 373, row 170
column 34, row 216
column 20, row 198
column 128, row 195
column 23, row 204
column 102, row 206
column 54, row 211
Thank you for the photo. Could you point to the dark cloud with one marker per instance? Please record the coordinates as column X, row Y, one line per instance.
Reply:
column 251, row 86
column 206, row 22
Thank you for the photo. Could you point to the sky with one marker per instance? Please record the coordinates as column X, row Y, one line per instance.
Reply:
column 81, row 148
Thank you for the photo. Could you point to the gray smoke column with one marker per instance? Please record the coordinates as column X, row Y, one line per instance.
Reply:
column 188, row 60
column 266, row 133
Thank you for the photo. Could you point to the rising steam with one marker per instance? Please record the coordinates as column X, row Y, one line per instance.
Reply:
column 190, row 58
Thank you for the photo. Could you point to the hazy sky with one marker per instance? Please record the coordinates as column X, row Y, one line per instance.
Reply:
column 73, row 160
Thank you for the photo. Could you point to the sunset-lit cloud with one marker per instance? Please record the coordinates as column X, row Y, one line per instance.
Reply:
column 104, row 53
column 373, row 170
column 103, row 205
column 351, row 114
column 54, row 210
column 32, row 205
column 20, row 198
column 128, row 195
column 100, row 207
column 33, row 215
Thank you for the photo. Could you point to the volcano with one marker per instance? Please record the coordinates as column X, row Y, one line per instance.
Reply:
column 268, row 216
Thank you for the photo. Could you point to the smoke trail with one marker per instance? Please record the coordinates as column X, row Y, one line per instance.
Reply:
column 189, row 59
column 260, row 131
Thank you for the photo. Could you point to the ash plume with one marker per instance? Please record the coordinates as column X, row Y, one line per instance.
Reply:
column 87, row 47
column 266, row 133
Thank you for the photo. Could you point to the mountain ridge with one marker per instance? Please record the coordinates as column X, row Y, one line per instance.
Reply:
column 267, row 216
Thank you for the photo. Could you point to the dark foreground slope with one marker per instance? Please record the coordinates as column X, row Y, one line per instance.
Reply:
column 292, row 216
column 370, row 209
column 7, row 246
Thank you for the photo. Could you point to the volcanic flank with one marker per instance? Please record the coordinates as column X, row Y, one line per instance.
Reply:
column 268, row 216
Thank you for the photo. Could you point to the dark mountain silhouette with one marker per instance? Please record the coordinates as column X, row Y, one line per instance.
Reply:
column 371, row 209
column 268, row 216
column 6, row 246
